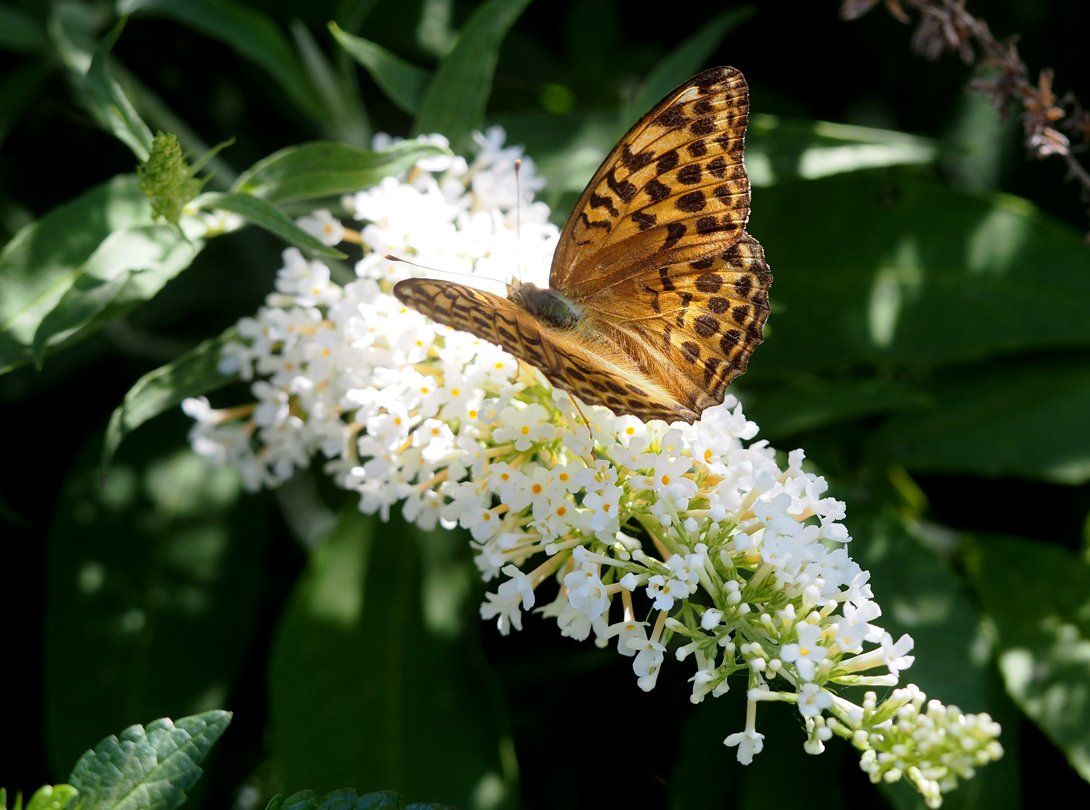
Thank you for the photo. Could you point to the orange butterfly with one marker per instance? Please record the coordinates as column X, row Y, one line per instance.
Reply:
column 657, row 294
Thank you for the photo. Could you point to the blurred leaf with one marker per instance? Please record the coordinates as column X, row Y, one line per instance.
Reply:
column 88, row 65
column 247, row 31
column 979, row 143
column 148, row 769
column 345, row 117
column 322, row 169
column 807, row 404
column 193, row 374
column 921, row 596
column 686, row 60
column 886, row 267
column 403, row 82
column 373, row 680
column 154, row 580
column 20, row 87
column 1023, row 419
column 83, row 264
column 779, row 151
column 49, row 797
column 81, row 303
column 568, row 149
column 346, row 799
column 265, row 215
column 454, row 102
column 1043, row 634
column 20, row 32
column 109, row 104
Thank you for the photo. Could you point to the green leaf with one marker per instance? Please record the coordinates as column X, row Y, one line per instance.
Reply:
column 20, row 87
column 403, row 82
column 686, row 60
column 109, row 104
column 148, row 769
column 251, row 34
column 807, row 403
column 935, row 276
column 1019, row 418
column 20, row 32
column 155, row 575
column 567, row 150
column 346, row 799
column 1043, row 634
column 923, row 598
column 779, row 151
column 193, row 374
column 420, row 713
column 80, row 266
column 316, row 170
column 88, row 65
column 50, row 797
column 267, row 216
column 345, row 118
column 454, row 102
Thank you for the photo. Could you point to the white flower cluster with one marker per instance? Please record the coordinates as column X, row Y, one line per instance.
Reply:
column 691, row 536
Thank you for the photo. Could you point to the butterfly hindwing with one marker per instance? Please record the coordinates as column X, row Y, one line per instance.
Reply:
column 696, row 323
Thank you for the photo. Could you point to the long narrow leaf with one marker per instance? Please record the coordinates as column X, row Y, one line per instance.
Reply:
column 191, row 375
column 403, row 82
column 88, row 65
column 316, row 170
column 455, row 99
column 266, row 215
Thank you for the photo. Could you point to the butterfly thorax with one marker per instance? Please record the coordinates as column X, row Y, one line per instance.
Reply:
column 547, row 305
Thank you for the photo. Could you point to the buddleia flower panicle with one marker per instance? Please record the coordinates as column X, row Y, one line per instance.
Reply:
column 681, row 542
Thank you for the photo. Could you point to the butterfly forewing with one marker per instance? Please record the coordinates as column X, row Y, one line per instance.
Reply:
column 674, row 188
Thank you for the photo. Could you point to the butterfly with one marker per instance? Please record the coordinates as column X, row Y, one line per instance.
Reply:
column 657, row 294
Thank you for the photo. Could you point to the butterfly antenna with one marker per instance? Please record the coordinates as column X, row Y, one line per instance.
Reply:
column 390, row 257
column 518, row 198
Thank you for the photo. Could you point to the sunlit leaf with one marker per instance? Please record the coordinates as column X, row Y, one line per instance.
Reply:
column 1043, row 634
column 83, row 264
column 148, row 768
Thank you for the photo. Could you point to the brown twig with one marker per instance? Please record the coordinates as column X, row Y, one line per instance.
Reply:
column 945, row 26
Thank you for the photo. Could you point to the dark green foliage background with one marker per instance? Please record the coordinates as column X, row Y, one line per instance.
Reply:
column 928, row 348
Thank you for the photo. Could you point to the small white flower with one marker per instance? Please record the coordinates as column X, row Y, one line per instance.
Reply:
column 322, row 225
column 505, row 604
column 749, row 742
column 807, row 653
column 524, row 426
column 648, row 661
column 813, row 700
